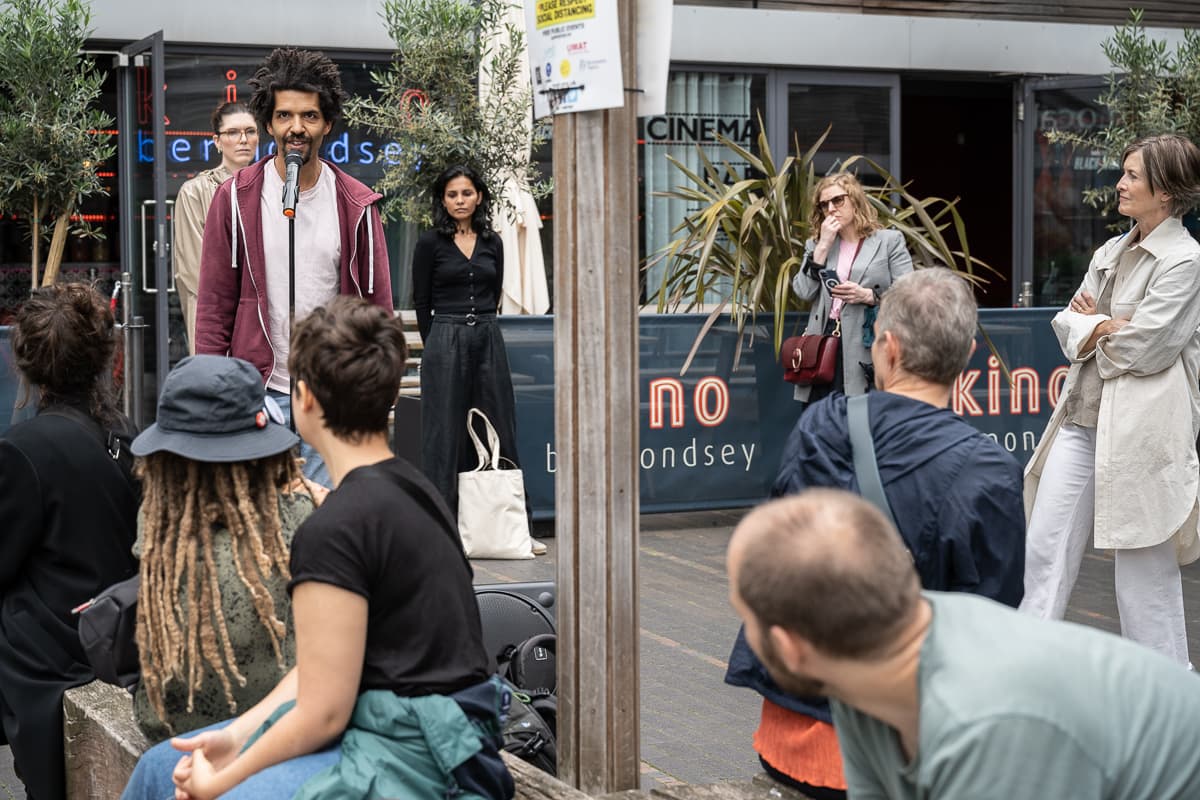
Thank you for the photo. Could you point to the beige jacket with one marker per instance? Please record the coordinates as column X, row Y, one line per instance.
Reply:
column 191, row 209
column 1147, row 474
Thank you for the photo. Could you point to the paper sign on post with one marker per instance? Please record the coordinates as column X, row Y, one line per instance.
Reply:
column 574, row 55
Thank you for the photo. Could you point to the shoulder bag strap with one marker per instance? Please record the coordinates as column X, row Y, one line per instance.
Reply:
column 115, row 443
column 870, row 485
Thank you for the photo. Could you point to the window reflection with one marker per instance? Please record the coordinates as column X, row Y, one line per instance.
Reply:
column 1066, row 231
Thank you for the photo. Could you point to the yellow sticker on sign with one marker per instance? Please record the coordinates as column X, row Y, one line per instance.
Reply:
column 554, row 12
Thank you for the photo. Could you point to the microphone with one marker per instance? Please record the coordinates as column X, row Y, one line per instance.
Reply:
column 291, row 183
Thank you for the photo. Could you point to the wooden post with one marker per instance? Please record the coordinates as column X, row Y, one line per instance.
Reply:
column 596, row 433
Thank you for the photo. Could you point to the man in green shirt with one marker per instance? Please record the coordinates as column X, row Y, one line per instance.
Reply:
column 952, row 696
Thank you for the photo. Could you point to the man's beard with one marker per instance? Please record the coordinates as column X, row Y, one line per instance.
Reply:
column 789, row 682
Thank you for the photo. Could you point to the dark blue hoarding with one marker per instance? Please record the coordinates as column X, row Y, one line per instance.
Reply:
column 712, row 438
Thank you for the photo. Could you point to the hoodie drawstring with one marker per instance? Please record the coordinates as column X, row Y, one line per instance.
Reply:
column 233, row 224
column 370, row 253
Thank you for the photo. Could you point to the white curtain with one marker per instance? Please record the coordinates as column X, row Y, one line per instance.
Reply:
column 525, row 287
column 699, row 104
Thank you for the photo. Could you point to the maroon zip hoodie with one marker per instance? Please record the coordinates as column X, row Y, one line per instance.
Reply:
column 231, row 305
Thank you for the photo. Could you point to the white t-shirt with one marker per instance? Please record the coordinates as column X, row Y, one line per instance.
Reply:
column 318, row 258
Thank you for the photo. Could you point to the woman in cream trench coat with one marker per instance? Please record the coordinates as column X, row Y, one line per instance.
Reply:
column 843, row 218
column 1118, row 457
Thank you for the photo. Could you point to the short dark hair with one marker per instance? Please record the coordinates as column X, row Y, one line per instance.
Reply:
column 481, row 220
column 351, row 354
column 826, row 565
column 63, row 343
column 1172, row 165
column 224, row 110
column 288, row 68
column 933, row 313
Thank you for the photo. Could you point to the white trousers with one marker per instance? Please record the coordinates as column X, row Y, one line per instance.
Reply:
column 1148, row 584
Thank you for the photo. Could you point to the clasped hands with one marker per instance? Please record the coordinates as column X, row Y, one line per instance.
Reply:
column 195, row 774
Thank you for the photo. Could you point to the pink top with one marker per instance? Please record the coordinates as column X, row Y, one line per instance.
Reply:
column 845, row 261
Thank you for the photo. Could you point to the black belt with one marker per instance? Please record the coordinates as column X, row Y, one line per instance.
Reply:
column 464, row 319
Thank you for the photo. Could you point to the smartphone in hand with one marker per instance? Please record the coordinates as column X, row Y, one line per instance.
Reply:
column 830, row 279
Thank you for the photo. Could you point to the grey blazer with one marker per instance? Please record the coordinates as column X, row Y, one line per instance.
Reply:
column 882, row 259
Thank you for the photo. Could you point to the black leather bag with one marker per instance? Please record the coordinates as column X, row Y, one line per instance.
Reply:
column 108, row 633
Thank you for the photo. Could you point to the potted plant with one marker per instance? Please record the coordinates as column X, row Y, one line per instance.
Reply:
column 429, row 101
column 1150, row 90
column 52, row 138
column 741, row 246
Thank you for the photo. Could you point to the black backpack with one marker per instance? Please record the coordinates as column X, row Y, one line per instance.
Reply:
column 526, row 732
column 529, row 730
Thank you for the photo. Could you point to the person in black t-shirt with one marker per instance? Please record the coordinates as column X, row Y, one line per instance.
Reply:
column 388, row 638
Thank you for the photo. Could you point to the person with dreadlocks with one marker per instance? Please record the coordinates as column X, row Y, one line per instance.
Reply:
column 68, row 512
column 242, row 308
column 391, row 694
column 222, row 496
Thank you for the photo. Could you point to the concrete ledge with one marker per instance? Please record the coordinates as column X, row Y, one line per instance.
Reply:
column 101, row 741
column 761, row 787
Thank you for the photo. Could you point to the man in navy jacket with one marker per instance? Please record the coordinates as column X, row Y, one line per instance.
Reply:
column 956, row 494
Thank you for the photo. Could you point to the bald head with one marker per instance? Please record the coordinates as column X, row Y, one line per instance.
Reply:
column 826, row 565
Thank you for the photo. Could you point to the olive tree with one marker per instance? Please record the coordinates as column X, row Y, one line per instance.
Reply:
column 52, row 139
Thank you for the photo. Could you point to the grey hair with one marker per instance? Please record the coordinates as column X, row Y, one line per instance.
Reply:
column 934, row 315
column 1172, row 165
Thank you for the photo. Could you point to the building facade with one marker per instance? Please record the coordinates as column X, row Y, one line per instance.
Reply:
column 955, row 98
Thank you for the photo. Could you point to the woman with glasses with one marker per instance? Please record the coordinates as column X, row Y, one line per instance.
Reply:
column 867, row 259
column 235, row 136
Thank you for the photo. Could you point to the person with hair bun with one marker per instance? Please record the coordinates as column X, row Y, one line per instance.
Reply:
column 235, row 135
column 868, row 258
column 68, row 513
column 1118, row 458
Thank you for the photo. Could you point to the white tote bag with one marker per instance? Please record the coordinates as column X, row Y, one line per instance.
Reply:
column 491, row 501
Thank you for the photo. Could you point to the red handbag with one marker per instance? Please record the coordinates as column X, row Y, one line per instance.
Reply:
column 809, row 360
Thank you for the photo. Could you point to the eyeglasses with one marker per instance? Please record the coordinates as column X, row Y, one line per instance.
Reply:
column 247, row 133
column 833, row 202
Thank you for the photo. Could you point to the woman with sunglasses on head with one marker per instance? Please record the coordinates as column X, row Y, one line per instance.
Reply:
column 867, row 259
column 235, row 136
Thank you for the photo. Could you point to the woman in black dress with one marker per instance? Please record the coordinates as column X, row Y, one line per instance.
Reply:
column 458, row 272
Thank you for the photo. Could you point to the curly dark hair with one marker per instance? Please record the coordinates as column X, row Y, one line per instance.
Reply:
column 288, row 68
column 481, row 220
column 63, row 344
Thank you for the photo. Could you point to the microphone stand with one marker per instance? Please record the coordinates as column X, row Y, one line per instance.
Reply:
column 291, row 199
column 291, row 312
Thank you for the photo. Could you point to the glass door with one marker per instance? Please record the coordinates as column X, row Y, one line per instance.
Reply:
column 145, row 222
column 1057, row 231
column 862, row 112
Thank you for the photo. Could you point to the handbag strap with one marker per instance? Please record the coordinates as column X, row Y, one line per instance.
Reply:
column 862, row 445
column 489, row 456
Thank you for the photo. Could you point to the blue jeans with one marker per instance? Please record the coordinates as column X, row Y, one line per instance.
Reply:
column 151, row 779
column 314, row 466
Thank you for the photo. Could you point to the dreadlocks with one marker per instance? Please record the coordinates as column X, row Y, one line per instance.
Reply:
column 180, row 621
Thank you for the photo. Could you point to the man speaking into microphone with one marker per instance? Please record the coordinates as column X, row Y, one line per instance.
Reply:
column 243, row 305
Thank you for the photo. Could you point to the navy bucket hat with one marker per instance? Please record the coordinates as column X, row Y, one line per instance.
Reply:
column 213, row 408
